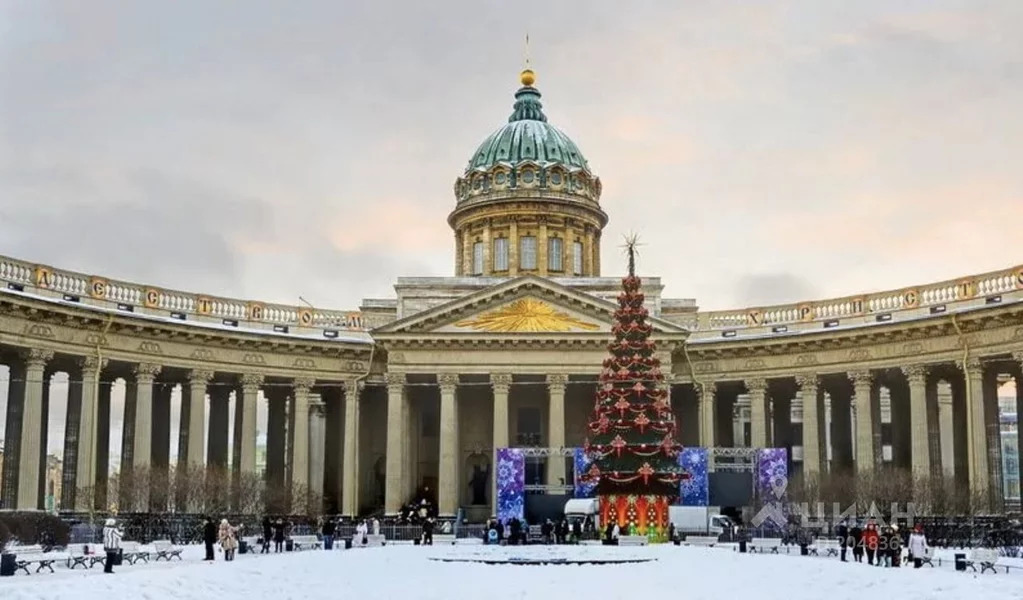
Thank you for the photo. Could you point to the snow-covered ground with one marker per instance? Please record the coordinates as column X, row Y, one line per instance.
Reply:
column 406, row 573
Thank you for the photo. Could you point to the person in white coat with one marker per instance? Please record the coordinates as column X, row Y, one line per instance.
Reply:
column 360, row 534
column 111, row 544
column 917, row 546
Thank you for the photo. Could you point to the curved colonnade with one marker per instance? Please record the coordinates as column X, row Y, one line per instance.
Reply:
column 365, row 407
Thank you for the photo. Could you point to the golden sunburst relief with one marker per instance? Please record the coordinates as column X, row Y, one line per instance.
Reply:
column 524, row 316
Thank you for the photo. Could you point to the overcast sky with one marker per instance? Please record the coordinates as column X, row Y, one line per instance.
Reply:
column 764, row 152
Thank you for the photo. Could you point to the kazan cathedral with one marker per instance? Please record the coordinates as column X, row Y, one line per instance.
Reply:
column 415, row 394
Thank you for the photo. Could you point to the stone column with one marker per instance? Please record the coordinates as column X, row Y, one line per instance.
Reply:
column 808, row 386
column 513, row 247
column 500, row 382
column 758, row 412
column 541, row 248
column 706, row 396
column 31, row 428
column 300, row 455
column 86, row 480
column 251, row 383
column 220, row 423
column 862, row 380
column 316, row 456
column 738, row 424
column 488, row 262
column 395, row 470
column 992, row 425
column 145, row 375
column 556, row 383
column 1018, row 377
column 466, row 253
column 350, row 459
column 976, row 430
column 916, row 376
column 197, row 381
column 447, row 476
column 828, row 454
column 945, row 424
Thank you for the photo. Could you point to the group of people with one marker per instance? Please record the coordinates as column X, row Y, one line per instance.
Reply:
column 516, row 531
column 224, row 534
column 882, row 546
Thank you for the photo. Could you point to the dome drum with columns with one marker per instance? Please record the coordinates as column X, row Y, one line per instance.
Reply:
column 527, row 202
column 366, row 409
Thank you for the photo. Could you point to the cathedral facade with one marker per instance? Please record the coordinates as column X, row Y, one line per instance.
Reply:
column 366, row 408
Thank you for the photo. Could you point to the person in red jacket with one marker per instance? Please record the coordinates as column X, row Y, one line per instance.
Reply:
column 871, row 537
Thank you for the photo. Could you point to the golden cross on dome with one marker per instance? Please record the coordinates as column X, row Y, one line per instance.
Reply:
column 527, row 77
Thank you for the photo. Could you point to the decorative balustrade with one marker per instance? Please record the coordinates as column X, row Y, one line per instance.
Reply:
column 124, row 296
column 117, row 295
column 977, row 289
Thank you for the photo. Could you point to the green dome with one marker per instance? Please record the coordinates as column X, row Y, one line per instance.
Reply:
column 528, row 137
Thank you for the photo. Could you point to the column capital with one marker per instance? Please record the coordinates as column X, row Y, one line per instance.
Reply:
column 915, row 374
column 38, row 357
column 807, row 380
column 394, row 379
column 354, row 385
column 973, row 367
column 864, row 377
column 146, row 372
column 1017, row 356
column 557, row 381
column 756, row 386
column 303, row 384
column 447, row 381
column 91, row 364
column 318, row 408
column 200, row 376
column 705, row 391
column 500, row 382
column 249, row 380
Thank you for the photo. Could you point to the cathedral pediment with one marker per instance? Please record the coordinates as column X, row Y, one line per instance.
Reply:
column 523, row 306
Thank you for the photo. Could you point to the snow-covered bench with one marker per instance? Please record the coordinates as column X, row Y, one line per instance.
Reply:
column 26, row 556
column 633, row 540
column 133, row 552
column 707, row 541
column 84, row 555
column 443, row 538
column 372, row 541
column 985, row 558
column 166, row 550
column 825, row 547
column 761, row 545
column 306, row 541
column 928, row 557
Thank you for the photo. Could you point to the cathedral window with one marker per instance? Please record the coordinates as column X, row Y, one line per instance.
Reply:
column 555, row 254
column 527, row 252
column 477, row 258
column 501, row 254
column 577, row 258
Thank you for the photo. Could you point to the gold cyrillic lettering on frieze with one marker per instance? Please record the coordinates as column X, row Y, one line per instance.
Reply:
column 43, row 277
column 98, row 288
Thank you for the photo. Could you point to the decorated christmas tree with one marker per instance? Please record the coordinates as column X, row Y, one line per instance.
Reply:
column 632, row 432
